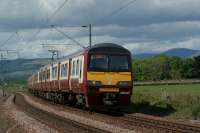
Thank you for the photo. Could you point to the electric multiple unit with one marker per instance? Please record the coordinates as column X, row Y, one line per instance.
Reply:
column 97, row 77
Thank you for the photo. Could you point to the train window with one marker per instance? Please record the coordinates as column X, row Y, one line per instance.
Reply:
column 54, row 72
column 43, row 75
column 67, row 69
column 48, row 74
column 40, row 76
column 80, row 70
column 73, row 68
column 64, row 70
column 77, row 67
column 98, row 63
column 36, row 78
column 110, row 63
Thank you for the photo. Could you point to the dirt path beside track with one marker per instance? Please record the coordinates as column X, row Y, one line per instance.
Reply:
column 6, row 122
column 23, row 123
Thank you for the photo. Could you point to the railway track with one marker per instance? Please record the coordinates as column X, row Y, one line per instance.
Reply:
column 146, row 124
column 151, row 124
column 53, row 121
column 137, row 122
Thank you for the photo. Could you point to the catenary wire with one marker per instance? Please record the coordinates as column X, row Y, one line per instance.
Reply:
column 9, row 38
column 115, row 11
column 61, row 32
column 48, row 19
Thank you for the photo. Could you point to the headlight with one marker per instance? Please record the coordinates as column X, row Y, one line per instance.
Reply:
column 94, row 83
column 124, row 84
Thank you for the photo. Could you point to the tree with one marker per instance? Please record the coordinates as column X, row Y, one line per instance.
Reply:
column 175, row 67
column 197, row 66
column 162, row 67
column 188, row 69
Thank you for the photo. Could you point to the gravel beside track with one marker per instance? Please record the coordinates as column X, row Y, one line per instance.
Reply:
column 6, row 122
column 139, row 123
column 23, row 121
column 56, row 122
column 79, row 116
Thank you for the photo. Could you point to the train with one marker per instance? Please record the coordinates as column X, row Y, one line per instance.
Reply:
column 97, row 77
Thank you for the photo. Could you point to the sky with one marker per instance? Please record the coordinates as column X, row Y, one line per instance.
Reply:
column 143, row 26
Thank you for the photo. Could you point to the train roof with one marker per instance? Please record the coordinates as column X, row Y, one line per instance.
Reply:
column 108, row 47
column 101, row 47
column 105, row 47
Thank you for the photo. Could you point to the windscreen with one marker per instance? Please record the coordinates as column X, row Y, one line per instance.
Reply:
column 98, row 63
column 110, row 63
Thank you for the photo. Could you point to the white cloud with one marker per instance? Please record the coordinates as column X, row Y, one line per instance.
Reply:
column 145, row 26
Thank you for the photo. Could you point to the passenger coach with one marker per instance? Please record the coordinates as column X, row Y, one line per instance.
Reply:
column 100, row 76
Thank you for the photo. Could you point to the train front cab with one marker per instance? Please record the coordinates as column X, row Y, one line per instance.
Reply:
column 109, row 77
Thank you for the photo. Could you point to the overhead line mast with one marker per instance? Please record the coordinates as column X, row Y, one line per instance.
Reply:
column 54, row 52
column 90, row 34
column 8, row 51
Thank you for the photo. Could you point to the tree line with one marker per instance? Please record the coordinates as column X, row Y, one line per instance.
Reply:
column 162, row 67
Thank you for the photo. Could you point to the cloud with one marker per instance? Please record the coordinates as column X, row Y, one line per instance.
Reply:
column 144, row 26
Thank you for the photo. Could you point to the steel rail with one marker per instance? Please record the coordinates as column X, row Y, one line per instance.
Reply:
column 72, row 123
column 157, row 124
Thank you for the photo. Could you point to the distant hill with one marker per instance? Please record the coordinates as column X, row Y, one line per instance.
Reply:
column 181, row 52
column 178, row 52
column 196, row 54
column 20, row 68
column 144, row 55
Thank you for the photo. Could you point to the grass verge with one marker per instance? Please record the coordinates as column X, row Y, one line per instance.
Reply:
column 13, row 86
column 173, row 101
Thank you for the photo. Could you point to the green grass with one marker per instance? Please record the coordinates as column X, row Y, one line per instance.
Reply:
column 173, row 101
column 13, row 86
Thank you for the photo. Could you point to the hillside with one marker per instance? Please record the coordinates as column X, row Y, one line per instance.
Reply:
column 181, row 52
column 178, row 52
column 20, row 68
